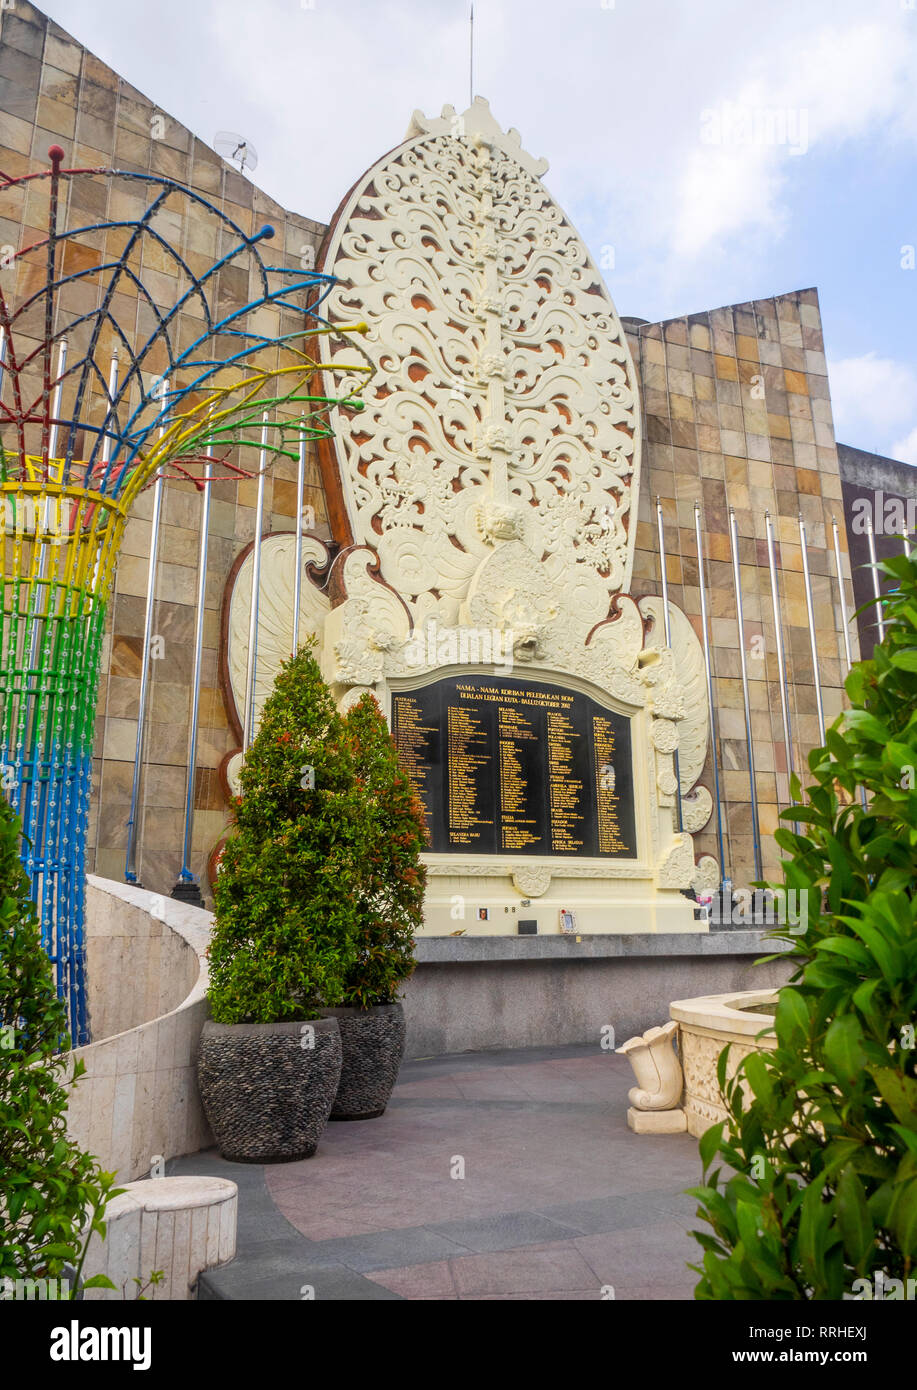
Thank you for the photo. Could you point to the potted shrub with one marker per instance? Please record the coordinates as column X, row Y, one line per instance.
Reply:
column 269, row 1064
column 389, row 884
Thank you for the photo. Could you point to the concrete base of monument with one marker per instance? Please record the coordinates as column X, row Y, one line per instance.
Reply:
column 476, row 992
column 493, row 906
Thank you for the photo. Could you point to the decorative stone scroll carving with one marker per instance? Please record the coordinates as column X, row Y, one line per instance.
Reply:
column 531, row 882
column 656, row 1098
column 503, row 404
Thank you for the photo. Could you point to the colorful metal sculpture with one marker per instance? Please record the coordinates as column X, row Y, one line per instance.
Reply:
column 104, row 389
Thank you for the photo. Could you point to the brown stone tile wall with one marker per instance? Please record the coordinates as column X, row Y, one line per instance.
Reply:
column 737, row 414
column 54, row 91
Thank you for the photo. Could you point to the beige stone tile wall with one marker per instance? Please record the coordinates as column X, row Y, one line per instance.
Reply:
column 737, row 414
column 53, row 91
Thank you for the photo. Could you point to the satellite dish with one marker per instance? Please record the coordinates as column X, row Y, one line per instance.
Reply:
column 235, row 147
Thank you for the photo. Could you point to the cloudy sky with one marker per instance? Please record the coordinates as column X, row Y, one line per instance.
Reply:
column 709, row 151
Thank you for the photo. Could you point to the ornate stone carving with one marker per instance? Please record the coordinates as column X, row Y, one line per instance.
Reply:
column 530, row 881
column 706, row 874
column 502, row 371
column 658, row 1073
column 696, row 808
column 275, row 614
column 677, row 869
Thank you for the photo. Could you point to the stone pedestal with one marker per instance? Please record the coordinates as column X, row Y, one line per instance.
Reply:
column 657, row 1121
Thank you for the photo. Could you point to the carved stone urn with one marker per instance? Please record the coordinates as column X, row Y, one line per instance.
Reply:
column 656, row 1099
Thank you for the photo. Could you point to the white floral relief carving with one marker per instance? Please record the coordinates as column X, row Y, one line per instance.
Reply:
column 700, row 1053
column 503, row 402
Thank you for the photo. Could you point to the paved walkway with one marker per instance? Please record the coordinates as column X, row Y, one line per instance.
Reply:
column 558, row 1200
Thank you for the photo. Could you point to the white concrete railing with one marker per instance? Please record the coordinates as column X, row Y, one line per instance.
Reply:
column 177, row 1225
column 138, row 1100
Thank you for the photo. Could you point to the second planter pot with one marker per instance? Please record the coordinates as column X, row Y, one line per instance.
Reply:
column 267, row 1088
column 372, row 1046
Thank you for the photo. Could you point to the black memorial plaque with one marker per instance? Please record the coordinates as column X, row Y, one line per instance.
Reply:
column 513, row 767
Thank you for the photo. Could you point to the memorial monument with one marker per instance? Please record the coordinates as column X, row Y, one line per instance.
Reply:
column 483, row 517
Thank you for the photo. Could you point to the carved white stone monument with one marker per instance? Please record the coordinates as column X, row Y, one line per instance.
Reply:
column 484, row 512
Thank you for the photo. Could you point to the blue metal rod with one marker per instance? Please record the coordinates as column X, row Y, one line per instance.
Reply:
column 186, row 875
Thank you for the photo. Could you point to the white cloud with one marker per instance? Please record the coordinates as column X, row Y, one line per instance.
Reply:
column 612, row 96
column 906, row 449
column 822, row 88
column 873, row 399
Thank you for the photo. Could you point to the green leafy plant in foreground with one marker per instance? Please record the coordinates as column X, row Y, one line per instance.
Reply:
column 811, row 1182
column 52, row 1194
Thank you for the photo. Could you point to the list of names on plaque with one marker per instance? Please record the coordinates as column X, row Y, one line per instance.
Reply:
column 504, row 766
column 609, row 827
column 470, row 774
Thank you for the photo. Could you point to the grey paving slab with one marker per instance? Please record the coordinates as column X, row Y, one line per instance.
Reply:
column 239, row 1281
column 558, row 1199
column 505, row 1230
column 385, row 1249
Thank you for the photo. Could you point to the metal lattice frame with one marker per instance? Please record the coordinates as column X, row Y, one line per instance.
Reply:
column 91, row 412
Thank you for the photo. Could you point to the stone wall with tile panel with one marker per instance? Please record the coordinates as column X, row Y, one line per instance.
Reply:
column 738, row 414
column 52, row 90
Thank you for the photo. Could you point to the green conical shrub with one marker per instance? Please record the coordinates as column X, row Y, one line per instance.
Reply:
column 284, row 896
column 389, row 905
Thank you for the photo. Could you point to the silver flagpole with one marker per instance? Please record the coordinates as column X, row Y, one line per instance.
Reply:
column 749, row 741
column 186, row 888
column 297, row 574
column 812, row 639
column 130, row 858
column 251, row 668
column 781, row 653
column 905, row 543
column 840, row 584
column 876, row 583
column 668, row 642
column 844, row 618
column 710, row 702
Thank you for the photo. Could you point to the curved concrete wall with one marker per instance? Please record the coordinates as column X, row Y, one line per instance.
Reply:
column 138, row 965
column 138, row 1100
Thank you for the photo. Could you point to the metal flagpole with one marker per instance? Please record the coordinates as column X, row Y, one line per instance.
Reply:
column 781, row 653
column 187, row 889
column 812, row 639
column 840, row 584
column 876, row 583
column 297, row 574
column 710, row 702
column 749, row 741
column 251, row 668
column 668, row 642
column 845, row 621
column 130, row 858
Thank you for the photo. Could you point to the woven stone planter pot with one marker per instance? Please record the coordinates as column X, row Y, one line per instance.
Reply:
column 372, row 1041
column 266, row 1097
